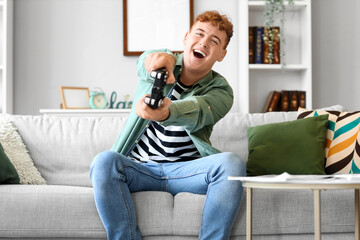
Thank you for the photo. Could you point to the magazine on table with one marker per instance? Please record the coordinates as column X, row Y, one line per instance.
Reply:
column 286, row 177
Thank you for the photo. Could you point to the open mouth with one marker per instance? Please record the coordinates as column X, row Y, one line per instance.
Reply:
column 199, row 54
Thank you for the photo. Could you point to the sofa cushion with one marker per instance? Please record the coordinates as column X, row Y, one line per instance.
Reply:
column 296, row 147
column 342, row 150
column 230, row 133
column 48, row 211
column 8, row 172
column 67, row 212
column 63, row 147
column 52, row 211
column 18, row 154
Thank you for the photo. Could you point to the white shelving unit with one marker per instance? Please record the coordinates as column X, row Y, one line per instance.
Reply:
column 6, row 56
column 257, row 80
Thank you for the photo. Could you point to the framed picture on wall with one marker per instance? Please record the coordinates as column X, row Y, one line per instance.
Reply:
column 75, row 97
column 155, row 24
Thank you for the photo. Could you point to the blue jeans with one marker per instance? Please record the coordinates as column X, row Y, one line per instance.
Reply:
column 115, row 176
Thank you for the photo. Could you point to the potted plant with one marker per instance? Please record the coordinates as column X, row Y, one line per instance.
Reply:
column 275, row 13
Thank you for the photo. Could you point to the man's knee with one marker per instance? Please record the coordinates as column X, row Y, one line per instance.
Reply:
column 104, row 159
column 233, row 164
column 103, row 164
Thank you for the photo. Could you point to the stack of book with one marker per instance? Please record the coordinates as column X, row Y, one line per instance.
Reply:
column 285, row 100
column 259, row 49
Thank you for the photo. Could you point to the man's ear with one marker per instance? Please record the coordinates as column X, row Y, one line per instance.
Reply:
column 186, row 36
column 222, row 56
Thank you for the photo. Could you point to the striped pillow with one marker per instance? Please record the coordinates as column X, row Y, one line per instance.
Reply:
column 342, row 150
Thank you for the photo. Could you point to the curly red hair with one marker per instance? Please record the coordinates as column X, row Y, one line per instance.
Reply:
column 222, row 22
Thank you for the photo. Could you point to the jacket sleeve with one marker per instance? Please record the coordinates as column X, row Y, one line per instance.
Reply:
column 202, row 109
column 140, row 64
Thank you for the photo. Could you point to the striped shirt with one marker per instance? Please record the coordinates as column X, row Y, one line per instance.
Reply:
column 165, row 144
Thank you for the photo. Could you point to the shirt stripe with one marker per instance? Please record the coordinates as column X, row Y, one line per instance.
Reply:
column 166, row 144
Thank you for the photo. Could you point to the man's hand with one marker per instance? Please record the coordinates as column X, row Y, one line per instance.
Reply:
column 158, row 60
column 146, row 112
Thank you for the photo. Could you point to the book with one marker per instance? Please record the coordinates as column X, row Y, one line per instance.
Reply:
column 276, row 49
column 258, row 57
column 268, row 101
column 266, row 46
column 259, row 49
column 294, row 101
column 252, row 32
column 302, row 99
column 272, row 102
column 285, row 96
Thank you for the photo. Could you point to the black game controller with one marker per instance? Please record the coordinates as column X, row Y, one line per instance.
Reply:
column 157, row 92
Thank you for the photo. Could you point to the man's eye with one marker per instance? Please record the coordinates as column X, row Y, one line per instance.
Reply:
column 199, row 34
column 215, row 42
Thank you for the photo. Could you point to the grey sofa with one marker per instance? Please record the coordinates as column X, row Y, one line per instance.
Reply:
column 62, row 149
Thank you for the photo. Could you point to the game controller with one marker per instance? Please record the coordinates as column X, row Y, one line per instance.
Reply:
column 157, row 93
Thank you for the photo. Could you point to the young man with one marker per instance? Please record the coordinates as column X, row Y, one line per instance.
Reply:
column 168, row 148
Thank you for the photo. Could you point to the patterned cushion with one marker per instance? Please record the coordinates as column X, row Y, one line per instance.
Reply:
column 342, row 151
column 18, row 155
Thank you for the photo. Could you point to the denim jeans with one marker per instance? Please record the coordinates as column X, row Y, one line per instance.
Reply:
column 115, row 176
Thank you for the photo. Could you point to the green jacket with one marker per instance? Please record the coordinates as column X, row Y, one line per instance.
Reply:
column 197, row 110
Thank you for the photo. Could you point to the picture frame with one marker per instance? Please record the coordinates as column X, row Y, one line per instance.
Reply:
column 75, row 97
column 156, row 24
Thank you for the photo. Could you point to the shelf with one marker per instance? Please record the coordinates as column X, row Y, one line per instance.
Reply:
column 257, row 80
column 260, row 5
column 295, row 67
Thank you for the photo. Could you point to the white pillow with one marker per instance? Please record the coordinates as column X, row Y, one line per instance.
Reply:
column 16, row 151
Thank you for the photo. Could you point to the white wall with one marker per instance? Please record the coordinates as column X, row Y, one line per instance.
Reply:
column 79, row 43
column 336, row 53
column 68, row 43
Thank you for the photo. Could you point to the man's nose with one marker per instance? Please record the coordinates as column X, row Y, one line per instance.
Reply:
column 204, row 43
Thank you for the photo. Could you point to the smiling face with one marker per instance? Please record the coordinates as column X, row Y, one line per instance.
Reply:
column 204, row 45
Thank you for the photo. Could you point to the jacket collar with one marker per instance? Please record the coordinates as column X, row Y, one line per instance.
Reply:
column 178, row 67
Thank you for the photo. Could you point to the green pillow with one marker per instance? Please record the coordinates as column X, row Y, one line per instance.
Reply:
column 8, row 173
column 295, row 147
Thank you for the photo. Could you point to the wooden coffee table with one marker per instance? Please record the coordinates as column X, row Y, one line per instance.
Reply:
column 313, row 182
